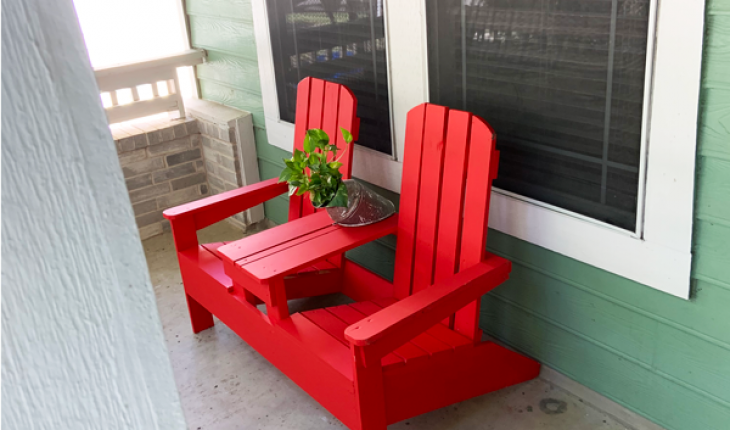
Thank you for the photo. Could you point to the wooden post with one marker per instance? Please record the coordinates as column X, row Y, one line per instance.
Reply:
column 278, row 309
column 369, row 389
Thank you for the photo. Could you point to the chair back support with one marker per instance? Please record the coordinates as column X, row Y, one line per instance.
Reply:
column 329, row 106
column 449, row 163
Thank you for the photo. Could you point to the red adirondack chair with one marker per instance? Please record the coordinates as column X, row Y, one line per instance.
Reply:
column 320, row 104
column 402, row 348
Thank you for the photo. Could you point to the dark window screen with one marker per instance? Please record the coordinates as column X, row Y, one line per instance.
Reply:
column 561, row 82
column 341, row 41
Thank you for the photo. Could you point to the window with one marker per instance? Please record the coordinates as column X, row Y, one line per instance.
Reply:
column 339, row 41
column 613, row 184
column 562, row 83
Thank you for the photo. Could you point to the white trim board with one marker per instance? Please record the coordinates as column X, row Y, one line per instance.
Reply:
column 658, row 253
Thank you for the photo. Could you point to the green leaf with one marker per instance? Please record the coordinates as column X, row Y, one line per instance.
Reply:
column 346, row 134
column 315, row 138
column 298, row 156
column 340, row 198
column 334, row 165
column 285, row 175
column 319, row 135
column 308, row 144
column 292, row 190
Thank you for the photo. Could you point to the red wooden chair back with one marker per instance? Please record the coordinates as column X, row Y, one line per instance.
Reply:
column 449, row 164
column 329, row 106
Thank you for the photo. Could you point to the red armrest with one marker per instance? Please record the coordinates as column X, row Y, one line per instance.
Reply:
column 391, row 327
column 213, row 209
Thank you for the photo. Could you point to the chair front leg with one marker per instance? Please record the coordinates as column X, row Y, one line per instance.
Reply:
column 200, row 318
column 369, row 389
column 185, row 236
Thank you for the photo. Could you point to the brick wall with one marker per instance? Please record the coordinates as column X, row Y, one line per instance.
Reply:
column 221, row 155
column 229, row 150
column 162, row 162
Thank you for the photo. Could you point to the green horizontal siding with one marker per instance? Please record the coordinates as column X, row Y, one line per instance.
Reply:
column 663, row 357
column 223, row 35
column 229, row 10
column 236, row 72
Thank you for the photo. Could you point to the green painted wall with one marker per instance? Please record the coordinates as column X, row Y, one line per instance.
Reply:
column 663, row 357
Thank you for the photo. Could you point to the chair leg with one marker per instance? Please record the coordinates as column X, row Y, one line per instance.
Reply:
column 200, row 318
column 369, row 390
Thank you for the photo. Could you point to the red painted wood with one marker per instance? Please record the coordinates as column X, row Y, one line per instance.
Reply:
column 350, row 316
column 438, row 331
column 360, row 284
column 316, row 104
column 272, row 237
column 329, row 323
column 369, row 391
column 413, row 315
column 406, row 351
column 384, row 302
column 303, row 331
column 449, row 337
column 371, row 362
column 452, row 198
column 347, row 119
column 482, row 152
column 301, row 125
column 325, row 105
column 331, row 110
column 311, row 358
column 277, row 308
column 446, row 379
column 316, row 120
column 452, row 195
column 425, row 341
column 320, row 246
column 408, row 213
column 313, row 283
column 200, row 318
column 429, row 196
column 184, row 232
column 210, row 210
column 276, row 251
column 211, row 264
column 239, row 315
column 478, row 189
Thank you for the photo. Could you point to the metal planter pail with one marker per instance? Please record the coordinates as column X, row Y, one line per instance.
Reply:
column 364, row 206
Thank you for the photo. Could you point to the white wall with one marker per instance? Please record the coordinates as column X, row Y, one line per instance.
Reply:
column 82, row 344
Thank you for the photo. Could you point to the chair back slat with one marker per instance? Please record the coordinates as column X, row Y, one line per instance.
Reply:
column 449, row 164
column 452, row 195
column 329, row 106
column 408, row 212
column 480, row 173
column 432, row 161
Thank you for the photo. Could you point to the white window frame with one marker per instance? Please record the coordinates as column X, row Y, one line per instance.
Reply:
column 658, row 254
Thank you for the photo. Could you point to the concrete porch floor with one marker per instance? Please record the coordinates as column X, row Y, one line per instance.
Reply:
column 225, row 384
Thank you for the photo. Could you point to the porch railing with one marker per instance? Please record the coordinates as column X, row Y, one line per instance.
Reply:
column 133, row 76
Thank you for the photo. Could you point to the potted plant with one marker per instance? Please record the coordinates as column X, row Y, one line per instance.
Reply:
column 316, row 172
